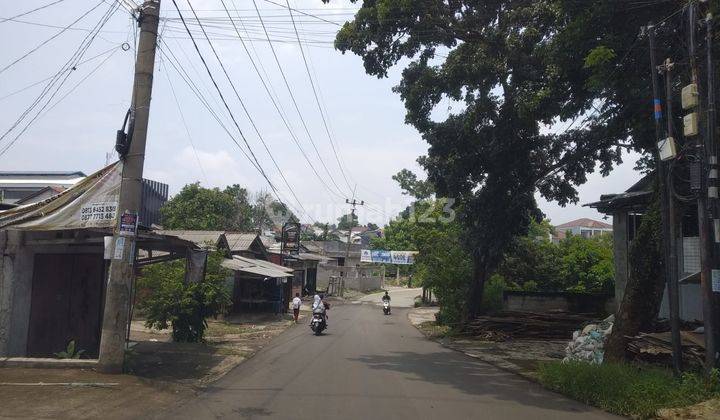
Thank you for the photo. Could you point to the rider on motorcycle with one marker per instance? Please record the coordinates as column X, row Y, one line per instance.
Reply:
column 386, row 297
column 320, row 306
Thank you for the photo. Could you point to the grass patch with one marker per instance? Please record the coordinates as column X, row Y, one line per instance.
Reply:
column 627, row 389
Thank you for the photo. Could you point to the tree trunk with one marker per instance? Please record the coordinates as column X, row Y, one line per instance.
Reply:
column 478, row 286
column 643, row 294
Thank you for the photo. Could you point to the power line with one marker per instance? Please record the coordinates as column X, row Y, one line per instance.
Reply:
column 32, row 11
column 222, row 98
column 227, row 107
column 17, row 60
column 290, row 9
column 81, row 81
column 315, row 94
column 67, row 70
column 50, row 77
column 187, row 130
column 247, row 113
column 165, row 49
column 292, row 97
column 280, row 112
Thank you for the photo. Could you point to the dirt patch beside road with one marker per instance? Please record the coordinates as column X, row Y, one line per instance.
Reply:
column 132, row 397
column 160, row 373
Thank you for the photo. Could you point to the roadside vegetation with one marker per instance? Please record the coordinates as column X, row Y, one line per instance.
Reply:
column 532, row 263
column 628, row 389
column 168, row 301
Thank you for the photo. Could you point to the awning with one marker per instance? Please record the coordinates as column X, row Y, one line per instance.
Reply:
column 91, row 203
column 257, row 267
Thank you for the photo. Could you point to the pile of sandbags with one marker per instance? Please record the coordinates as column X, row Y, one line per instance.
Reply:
column 588, row 344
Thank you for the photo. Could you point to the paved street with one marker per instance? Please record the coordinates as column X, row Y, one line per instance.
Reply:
column 372, row 366
column 401, row 297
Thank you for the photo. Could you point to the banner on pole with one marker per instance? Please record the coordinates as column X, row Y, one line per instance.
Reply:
column 387, row 257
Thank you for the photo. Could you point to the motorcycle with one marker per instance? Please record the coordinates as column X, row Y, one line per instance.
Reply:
column 318, row 323
column 386, row 307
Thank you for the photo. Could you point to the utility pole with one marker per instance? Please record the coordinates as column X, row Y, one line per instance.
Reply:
column 122, row 275
column 353, row 203
column 705, row 194
column 668, row 212
column 713, row 184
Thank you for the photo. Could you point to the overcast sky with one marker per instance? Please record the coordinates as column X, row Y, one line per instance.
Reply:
column 365, row 117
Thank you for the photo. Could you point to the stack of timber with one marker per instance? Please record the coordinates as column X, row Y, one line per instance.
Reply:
column 516, row 324
column 657, row 347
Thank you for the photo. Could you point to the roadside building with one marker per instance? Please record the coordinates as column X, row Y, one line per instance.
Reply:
column 627, row 210
column 344, row 269
column 258, row 285
column 19, row 185
column 28, row 187
column 54, row 259
column 587, row 228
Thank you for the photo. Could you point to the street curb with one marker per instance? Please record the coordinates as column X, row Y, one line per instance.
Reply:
column 47, row 363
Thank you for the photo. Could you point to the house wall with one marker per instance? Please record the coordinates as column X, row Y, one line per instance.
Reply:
column 16, row 274
column 363, row 279
column 690, row 306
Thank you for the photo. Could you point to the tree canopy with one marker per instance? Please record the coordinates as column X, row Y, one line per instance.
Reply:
column 511, row 70
column 199, row 208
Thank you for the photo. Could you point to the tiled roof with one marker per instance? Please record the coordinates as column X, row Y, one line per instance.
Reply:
column 585, row 222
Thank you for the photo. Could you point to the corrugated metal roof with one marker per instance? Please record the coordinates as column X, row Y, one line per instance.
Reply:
column 240, row 241
column 255, row 266
column 199, row 237
column 268, row 241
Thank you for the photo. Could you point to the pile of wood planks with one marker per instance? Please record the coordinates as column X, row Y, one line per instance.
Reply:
column 657, row 347
column 515, row 324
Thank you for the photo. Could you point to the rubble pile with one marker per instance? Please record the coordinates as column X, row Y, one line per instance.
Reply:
column 588, row 344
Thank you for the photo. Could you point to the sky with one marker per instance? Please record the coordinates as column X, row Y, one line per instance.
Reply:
column 76, row 130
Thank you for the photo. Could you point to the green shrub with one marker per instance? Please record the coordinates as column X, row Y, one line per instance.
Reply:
column 627, row 389
column 169, row 302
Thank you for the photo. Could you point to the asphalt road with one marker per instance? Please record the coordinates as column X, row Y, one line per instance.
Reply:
column 370, row 366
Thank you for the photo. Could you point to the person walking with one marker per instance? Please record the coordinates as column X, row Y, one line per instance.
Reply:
column 296, row 302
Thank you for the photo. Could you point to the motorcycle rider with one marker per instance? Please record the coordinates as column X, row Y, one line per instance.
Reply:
column 320, row 306
column 386, row 299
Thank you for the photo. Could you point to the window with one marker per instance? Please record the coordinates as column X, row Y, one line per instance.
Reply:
column 586, row 233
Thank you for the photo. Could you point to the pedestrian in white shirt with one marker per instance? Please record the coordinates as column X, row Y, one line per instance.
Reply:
column 296, row 302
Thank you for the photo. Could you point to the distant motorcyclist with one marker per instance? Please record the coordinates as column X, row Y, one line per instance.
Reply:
column 386, row 303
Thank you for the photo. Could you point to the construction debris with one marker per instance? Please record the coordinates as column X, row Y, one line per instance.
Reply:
column 588, row 344
column 657, row 347
column 515, row 324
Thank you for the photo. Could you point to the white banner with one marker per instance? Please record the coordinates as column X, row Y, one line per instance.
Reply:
column 91, row 203
column 387, row 257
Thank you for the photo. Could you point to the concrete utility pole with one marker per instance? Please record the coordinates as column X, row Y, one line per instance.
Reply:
column 713, row 184
column 353, row 203
column 667, row 210
column 706, row 193
column 122, row 275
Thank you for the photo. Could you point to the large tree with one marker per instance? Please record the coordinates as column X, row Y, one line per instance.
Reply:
column 512, row 70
